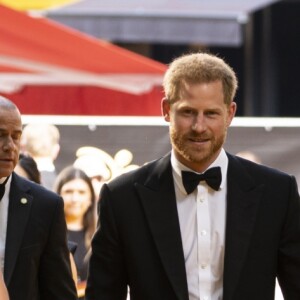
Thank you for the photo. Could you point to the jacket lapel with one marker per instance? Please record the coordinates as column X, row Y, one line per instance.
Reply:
column 157, row 196
column 243, row 198
column 18, row 212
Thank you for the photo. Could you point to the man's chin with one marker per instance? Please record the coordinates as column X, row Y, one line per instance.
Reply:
column 5, row 172
column 200, row 157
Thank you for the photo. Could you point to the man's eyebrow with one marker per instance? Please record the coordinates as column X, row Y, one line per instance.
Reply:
column 15, row 131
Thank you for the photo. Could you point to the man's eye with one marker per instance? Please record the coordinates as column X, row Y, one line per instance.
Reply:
column 211, row 113
column 188, row 112
column 16, row 137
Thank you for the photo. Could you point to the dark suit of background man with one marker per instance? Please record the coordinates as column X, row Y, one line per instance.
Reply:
column 33, row 247
column 166, row 241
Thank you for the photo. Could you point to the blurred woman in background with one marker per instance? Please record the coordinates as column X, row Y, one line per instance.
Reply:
column 76, row 189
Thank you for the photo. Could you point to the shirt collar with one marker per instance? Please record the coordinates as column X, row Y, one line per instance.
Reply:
column 221, row 161
column 7, row 188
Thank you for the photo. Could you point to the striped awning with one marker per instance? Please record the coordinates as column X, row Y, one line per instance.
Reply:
column 208, row 22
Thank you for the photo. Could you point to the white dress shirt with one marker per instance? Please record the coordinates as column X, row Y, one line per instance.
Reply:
column 202, row 217
column 3, row 221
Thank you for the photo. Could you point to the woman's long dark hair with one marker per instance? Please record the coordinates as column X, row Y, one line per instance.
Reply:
column 28, row 164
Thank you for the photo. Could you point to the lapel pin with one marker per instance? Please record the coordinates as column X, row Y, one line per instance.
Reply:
column 24, row 201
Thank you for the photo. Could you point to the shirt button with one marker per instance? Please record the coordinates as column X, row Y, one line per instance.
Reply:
column 201, row 199
column 203, row 232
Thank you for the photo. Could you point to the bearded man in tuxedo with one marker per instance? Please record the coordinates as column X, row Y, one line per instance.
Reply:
column 198, row 223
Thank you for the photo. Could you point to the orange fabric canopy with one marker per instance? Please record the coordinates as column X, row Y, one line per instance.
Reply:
column 47, row 68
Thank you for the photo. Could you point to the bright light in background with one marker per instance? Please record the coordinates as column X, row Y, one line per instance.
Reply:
column 35, row 4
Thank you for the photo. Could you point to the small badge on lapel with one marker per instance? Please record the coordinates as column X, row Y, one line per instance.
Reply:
column 24, row 201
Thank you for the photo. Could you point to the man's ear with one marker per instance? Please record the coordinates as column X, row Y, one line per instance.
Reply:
column 165, row 108
column 231, row 112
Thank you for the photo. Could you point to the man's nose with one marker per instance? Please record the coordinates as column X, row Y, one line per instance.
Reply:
column 8, row 144
column 199, row 123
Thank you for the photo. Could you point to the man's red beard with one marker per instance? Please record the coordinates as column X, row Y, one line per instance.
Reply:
column 182, row 145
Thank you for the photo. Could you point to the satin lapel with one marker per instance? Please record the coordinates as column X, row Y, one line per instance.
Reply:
column 243, row 198
column 158, row 199
column 18, row 212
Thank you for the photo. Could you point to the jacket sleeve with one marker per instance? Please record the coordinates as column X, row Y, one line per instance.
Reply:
column 107, row 276
column 289, row 248
column 55, row 277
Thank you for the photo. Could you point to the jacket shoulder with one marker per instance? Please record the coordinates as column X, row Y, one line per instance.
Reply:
column 257, row 171
column 37, row 191
column 149, row 170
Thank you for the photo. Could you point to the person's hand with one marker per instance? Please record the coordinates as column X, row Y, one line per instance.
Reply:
column 3, row 290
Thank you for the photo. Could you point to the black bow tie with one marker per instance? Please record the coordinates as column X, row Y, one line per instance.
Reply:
column 2, row 188
column 213, row 178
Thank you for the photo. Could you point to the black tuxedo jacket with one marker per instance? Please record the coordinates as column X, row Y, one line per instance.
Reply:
column 139, row 244
column 37, row 265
